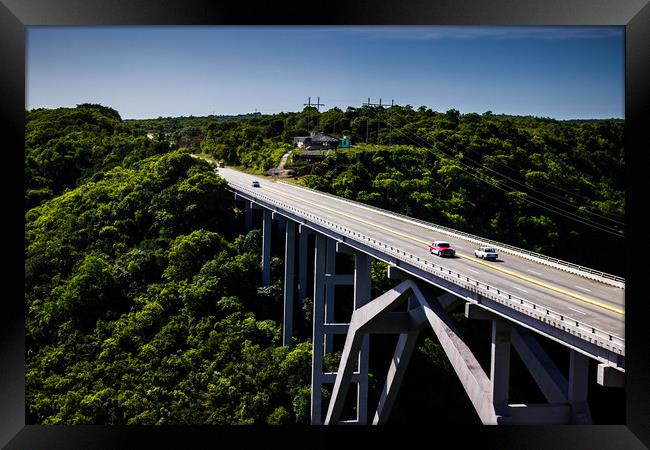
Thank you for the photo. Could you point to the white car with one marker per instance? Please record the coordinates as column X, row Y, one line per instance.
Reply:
column 486, row 253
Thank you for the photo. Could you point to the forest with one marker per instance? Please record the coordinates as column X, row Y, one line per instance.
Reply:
column 143, row 293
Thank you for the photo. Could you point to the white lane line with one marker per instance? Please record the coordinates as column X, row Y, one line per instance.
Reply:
column 578, row 311
column 584, row 289
column 532, row 271
column 523, row 290
column 472, row 270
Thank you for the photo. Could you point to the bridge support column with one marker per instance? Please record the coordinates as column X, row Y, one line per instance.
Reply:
column 248, row 216
column 578, row 385
column 324, row 327
column 289, row 254
column 330, row 272
column 500, row 365
column 266, row 248
column 318, row 317
column 302, row 263
column 362, row 284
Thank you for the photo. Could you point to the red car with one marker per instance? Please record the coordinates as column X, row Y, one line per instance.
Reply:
column 441, row 248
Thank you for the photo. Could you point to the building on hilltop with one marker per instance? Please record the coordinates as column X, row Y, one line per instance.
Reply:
column 316, row 142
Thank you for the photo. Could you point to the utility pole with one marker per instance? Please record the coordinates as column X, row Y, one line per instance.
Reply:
column 390, row 124
column 379, row 121
column 307, row 104
column 318, row 104
column 368, row 105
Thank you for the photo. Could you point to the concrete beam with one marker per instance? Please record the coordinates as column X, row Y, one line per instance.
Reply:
column 476, row 312
column 610, row 377
column 467, row 368
column 289, row 255
column 330, row 377
column 548, row 377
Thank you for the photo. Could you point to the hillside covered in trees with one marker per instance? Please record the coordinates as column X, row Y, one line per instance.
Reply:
column 142, row 301
column 143, row 296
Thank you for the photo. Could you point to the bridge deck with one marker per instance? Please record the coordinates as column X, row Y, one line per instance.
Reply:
column 598, row 304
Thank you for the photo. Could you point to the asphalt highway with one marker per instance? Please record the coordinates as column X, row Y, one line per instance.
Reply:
column 595, row 303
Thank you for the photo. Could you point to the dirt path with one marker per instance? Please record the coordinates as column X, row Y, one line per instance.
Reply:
column 280, row 171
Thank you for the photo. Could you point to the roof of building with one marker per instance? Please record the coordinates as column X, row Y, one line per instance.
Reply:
column 318, row 138
column 322, row 152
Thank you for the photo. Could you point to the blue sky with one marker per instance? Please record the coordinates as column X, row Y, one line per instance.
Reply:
column 147, row 72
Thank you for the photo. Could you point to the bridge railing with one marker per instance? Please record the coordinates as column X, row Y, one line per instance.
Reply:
column 567, row 266
column 567, row 323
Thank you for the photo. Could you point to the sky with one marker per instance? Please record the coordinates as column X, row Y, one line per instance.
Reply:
column 150, row 72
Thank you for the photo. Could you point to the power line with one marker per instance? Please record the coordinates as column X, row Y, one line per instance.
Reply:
column 527, row 198
column 559, row 188
column 526, row 185
column 540, row 191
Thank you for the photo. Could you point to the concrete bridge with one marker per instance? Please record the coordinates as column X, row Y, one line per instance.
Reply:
column 524, row 295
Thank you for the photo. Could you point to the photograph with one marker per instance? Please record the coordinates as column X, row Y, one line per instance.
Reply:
column 304, row 226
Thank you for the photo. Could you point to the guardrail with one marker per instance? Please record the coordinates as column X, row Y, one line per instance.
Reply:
column 570, row 267
column 571, row 325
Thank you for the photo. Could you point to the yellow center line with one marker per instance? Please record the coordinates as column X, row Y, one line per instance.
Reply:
column 490, row 266
column 553, row 288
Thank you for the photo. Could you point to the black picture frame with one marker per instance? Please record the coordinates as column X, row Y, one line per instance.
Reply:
column 16, row 15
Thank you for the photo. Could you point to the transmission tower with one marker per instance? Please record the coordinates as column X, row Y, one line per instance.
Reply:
column 318, row 104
